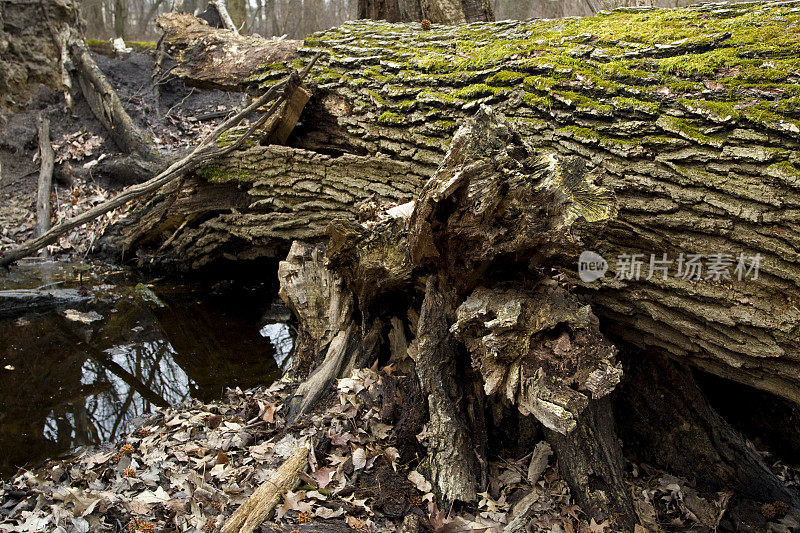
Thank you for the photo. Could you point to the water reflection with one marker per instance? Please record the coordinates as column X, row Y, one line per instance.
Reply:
column 66, row 382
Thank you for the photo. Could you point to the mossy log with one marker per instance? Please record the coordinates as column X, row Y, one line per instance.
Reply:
column 690, row 117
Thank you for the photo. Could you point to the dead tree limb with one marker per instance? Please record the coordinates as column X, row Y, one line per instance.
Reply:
column 108, row 108
column 204, row 153
column 45, row 177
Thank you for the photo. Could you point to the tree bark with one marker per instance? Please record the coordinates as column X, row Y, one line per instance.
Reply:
column 436, row 11
column 698, row 162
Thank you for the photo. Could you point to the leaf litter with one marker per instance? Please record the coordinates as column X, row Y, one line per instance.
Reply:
column 187, row 468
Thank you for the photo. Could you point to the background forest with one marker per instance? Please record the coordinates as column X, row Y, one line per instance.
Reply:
column 134, row 19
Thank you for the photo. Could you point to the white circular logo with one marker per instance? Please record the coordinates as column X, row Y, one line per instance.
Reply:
column 591, row 266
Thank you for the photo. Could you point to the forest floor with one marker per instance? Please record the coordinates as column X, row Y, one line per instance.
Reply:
column 188, row 467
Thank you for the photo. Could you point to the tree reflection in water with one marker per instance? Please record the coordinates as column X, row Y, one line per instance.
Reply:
column 74, row 384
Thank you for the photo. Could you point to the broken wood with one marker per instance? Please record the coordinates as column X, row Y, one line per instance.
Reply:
column 47, row 156
column 263, row 501
column 205, row 152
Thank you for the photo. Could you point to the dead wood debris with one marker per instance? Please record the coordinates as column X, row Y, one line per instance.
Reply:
column 206, row 151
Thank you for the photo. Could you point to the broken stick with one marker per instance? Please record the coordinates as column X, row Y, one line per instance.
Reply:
column 266, row 497
column 45, row 177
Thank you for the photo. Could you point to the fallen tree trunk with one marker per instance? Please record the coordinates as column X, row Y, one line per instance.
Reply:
column 686, row 115
column 458, row 270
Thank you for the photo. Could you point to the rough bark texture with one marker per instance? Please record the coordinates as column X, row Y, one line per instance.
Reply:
column 689, row 116
column 47, row 157
column 451, row 454
column 594, row 472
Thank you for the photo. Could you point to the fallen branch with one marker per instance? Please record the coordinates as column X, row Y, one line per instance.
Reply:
column 45, row 177
column 107, row 107
column 266, row 497
column 206, row 151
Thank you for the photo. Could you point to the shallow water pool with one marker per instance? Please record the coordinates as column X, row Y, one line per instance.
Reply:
column 86, row 351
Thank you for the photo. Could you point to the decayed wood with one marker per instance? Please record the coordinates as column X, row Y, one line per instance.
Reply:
column 590, row 459
column 315, row 296
column 327, row 335
column 697, row 165
column 45, row 178
column 216, row 63
column 540, row 349
column 451, row 456
column 266, row 497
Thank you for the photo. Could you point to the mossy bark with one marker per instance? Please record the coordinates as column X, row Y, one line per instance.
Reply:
column 689, row 116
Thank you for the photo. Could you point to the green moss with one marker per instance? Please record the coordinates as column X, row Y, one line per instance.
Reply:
column 505, row 78
column 536, row 100
column 593, row 64
column 582, row 102
column 217, row 175
column 715, row 110
column 141, row 46
column 429, row 95
column 446, row 125
column 785, row 170
column 472, row 92
column 390, row 118
column 633, row 104
column 539, row 83
column 687, row 130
